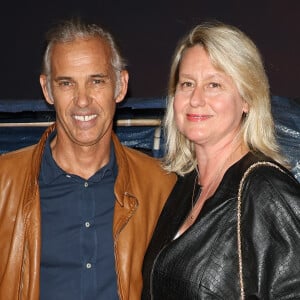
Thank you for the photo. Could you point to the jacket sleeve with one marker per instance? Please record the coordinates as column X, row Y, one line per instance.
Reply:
column 270, row 235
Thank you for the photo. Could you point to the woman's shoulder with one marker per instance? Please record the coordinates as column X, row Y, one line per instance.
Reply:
column 270, row 175
column 257, row 165
column 270, row 189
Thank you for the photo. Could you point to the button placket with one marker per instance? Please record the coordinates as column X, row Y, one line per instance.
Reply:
column 88, row 265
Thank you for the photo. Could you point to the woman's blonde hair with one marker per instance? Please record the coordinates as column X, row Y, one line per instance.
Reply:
column 234, row 53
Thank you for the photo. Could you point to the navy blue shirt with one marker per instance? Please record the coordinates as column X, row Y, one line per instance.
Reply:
column 77, row 255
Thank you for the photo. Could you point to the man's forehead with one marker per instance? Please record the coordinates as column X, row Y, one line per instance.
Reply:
column 85, row 47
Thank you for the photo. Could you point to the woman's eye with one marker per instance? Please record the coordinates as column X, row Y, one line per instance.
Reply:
column 186, row 85
column 214, row 85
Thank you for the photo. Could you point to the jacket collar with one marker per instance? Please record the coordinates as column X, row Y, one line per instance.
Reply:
column 122, row 185
column 50, row 171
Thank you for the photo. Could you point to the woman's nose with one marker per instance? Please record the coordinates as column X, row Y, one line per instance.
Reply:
column 197, row 97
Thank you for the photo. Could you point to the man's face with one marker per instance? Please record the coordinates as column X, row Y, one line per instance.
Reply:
column 83, row 91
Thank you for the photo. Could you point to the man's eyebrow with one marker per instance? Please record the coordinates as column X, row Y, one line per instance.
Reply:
column 62, row 78
column 99, row 75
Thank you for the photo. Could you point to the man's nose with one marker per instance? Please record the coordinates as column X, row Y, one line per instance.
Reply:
column 81, row 97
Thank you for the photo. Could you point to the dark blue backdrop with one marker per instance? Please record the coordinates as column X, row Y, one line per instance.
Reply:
column 145, row 137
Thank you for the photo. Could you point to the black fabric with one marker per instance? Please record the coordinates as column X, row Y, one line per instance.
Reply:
column 203, row 262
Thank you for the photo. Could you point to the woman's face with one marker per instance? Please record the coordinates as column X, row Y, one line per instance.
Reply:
column 207, row 105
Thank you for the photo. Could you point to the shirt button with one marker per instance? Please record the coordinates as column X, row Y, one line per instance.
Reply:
column 86, row 184
column 87, row 224
column 88, row 265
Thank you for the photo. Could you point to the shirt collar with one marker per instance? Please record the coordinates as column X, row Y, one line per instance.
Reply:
column 51, row 171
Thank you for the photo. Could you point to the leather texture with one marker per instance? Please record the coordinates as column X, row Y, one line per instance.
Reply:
column 139, row 201
column 203, row 262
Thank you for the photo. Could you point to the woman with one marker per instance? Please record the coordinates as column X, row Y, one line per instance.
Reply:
column 210, row 241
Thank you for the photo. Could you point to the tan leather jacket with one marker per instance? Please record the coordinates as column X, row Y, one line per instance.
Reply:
column 139, row 200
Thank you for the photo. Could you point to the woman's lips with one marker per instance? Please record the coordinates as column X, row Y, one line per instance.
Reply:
column 198, row 117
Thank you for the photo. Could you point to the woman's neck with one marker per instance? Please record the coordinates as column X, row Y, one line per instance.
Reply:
column 211, row 169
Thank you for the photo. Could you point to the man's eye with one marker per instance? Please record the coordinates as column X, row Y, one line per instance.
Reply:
column 64, row 83
column 98, row 81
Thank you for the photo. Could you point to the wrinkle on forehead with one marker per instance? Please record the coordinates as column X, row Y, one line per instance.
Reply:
column 82, row 53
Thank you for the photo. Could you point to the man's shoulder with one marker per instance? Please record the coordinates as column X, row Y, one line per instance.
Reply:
column 136, row 164
column 138, row 153
column 16, row 157
column 138, row 156
column 145, row 164
column 18, row 152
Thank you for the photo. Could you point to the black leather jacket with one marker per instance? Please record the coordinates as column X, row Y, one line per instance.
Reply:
column 203, row 262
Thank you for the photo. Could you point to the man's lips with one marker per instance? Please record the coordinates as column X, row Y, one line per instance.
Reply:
column 84, row 118
column 198, row 117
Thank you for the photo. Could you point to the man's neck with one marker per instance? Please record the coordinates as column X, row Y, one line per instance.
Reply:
column 83, row 161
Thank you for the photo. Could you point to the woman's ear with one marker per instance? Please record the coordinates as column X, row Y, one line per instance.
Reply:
column 43, row 83
column 124, row 77
column 245, row 107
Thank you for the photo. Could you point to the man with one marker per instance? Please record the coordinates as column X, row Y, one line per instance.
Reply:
column 78, row 209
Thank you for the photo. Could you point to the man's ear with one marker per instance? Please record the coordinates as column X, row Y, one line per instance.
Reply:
column 43, row 83
column 123, row 86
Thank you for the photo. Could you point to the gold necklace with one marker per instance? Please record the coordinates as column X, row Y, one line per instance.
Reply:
column 191, row 216
column 212, row 187
column 197, row 205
